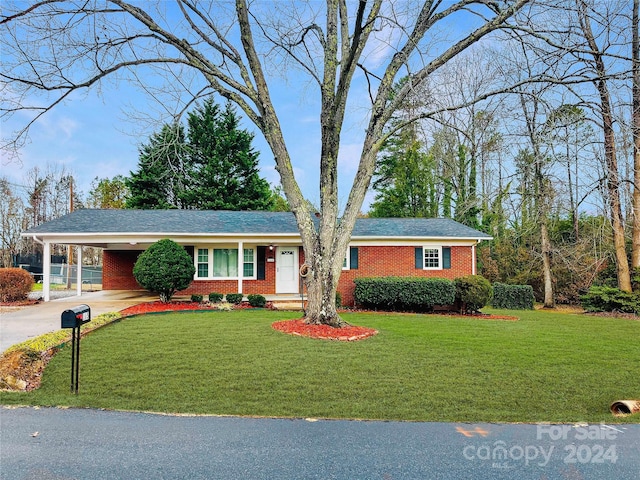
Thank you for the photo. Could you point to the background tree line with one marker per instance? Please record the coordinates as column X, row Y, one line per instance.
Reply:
column 549, row 167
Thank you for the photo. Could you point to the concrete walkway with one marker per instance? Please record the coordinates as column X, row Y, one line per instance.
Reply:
column 33, row 320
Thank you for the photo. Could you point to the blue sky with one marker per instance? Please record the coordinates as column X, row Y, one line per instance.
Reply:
column 92, row 135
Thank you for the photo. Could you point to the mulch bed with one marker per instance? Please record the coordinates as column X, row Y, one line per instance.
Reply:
column 298, row 327
column 158, row 306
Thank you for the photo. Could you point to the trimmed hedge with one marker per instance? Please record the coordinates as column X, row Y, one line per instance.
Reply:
column 234, row 298
column 215, row 297
column 404, row 293
column 196, row 298
column 609, row 299
column 256, row 300
column 15, row 284
column 472, row 292
column 513, row 297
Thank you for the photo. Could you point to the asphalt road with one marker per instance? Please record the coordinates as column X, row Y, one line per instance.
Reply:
column 57, row 444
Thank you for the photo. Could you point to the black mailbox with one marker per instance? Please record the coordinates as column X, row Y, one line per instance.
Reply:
column 76, row 316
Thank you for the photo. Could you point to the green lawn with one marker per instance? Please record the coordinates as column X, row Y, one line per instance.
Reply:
column 545, row 367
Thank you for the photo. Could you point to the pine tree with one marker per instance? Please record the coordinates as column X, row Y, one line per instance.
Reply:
column 222, row 165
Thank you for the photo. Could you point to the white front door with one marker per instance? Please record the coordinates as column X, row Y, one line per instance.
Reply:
column 287, row 270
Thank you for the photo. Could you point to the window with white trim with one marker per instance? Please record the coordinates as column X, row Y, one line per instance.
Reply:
column 225, row 262
column 432, row 258
column 202, row 269
column 217, row 263
column 248, row 265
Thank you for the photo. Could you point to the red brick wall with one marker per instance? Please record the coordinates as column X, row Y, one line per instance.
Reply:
column 378, row 261
column 381, row 261
column 117, row 269
column 118, row 275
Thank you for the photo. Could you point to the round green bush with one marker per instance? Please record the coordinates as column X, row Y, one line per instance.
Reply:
column 196, row 298
column 234, row 298
column 256, row 300
column 164, row 268
column 472, row 292
column 215, row 297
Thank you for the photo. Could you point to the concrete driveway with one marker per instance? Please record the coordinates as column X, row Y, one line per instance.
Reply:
column 19, row 325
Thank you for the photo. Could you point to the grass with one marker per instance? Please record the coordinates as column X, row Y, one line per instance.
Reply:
column 38, row 287
column 545, row 367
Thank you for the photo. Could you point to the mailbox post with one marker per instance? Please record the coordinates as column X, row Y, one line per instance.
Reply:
column 74, row 318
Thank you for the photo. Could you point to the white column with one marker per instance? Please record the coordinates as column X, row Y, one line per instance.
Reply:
column 46, row 271
column 79, row 270
column 240, row 265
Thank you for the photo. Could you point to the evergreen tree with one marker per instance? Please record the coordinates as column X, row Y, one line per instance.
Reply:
column 405, row 182
column 222, row 165
column 159, row 181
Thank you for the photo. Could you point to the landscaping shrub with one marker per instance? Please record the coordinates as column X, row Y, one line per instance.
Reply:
column 15, row 284
column 164, row 268
column 404, row 293
column 472, row 292
column 610, row 299
column 196, row 298
column 338, row 300
column 513, row 297
column 256, row 300
column 215, row 297
column 234, row 298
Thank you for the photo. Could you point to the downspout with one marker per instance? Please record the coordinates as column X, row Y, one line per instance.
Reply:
column 475, row 260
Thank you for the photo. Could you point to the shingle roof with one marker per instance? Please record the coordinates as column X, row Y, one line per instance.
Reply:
column 89, row 221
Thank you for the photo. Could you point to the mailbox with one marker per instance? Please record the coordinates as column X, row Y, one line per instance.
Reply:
column 76, row 316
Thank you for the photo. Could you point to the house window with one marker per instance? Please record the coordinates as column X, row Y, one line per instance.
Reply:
column 432, row 257
column 223, row 263
column 351, row 259
column 248, row 268
column 203, row 263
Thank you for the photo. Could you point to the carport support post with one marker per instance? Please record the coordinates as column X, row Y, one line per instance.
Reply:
column 240, row 265
column 46, row 271
column 79, row 270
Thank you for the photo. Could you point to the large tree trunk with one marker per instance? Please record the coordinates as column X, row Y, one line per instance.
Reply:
column 613, row 178
column 549, row 302
column 635, row 128
column 321, row 283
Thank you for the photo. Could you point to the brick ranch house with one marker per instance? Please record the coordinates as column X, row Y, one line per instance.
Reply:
column 259, row 252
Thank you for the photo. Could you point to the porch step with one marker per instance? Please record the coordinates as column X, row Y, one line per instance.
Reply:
column 287, row 305
column 285, row 302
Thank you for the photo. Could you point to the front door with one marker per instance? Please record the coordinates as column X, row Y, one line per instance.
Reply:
column 287, row 270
